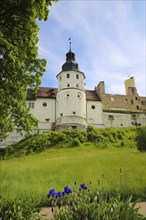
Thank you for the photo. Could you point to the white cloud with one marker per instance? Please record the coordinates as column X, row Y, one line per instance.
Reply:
column 106, row 37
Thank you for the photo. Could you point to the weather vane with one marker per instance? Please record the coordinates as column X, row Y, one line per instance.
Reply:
column 69, row 43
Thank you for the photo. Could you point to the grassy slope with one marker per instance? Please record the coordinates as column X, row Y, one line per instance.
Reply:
column 34, row 175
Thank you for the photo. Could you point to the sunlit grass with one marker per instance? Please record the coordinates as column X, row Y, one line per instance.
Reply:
column 34, row 175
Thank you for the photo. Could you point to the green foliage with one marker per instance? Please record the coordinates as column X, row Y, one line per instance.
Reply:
column 75, row 142
column 56, row 138
column 20, row 66
column 80, row 135
column 18, row 209
column 101, row 138
column 141, row 138
column 99, row 205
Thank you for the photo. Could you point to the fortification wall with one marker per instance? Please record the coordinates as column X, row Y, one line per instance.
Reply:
column 123, row 119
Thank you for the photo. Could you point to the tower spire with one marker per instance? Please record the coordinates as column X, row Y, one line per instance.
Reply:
column 69, row 44
column 70, row 63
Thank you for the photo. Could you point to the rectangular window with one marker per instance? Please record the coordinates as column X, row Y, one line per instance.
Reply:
column 30, row 105
column 68, row 75
column 137, row 107
column 131, row 102
column 60, row 78
column 77, row 76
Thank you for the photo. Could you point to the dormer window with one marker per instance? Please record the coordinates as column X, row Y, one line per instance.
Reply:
column 68, row 75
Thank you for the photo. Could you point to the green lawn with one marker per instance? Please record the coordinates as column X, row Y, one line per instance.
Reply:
column 34, row 175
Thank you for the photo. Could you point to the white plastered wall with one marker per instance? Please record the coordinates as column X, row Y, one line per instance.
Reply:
column 63, row 81
column 45, row 114
column 95, row 113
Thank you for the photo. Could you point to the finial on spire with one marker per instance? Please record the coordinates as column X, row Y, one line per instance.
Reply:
column 69, row 43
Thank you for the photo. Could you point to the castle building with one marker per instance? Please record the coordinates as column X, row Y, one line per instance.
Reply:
column 71, row 106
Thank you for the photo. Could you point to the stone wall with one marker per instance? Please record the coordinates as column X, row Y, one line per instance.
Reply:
column 132, row 101
column 123, row 119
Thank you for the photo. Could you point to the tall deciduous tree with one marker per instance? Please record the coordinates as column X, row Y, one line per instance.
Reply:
column 20, row 66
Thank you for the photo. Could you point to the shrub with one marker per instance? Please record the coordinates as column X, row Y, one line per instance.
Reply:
column 80, row 135
column 75, row 142
column 18, row 209
column 95, row 135
column 102, row 138
column 141, row 138
column 56, row 138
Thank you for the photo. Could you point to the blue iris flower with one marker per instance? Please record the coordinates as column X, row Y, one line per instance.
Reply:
column 51, row 193
column 67, row 190
column 59, row 194
column 83, row 186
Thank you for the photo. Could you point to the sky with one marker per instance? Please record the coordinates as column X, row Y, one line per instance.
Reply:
column 107, row 37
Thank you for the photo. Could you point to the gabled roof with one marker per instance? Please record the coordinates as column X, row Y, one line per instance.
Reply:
column 44, row 92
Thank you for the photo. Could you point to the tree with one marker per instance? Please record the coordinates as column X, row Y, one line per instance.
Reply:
column 20, row 66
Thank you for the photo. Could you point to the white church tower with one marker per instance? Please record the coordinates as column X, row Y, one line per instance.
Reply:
column 71, row 97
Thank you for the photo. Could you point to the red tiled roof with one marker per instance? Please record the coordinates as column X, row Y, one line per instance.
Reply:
column 42, row 93
column 51, row 93
column 46, row 92
column 92, row 95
